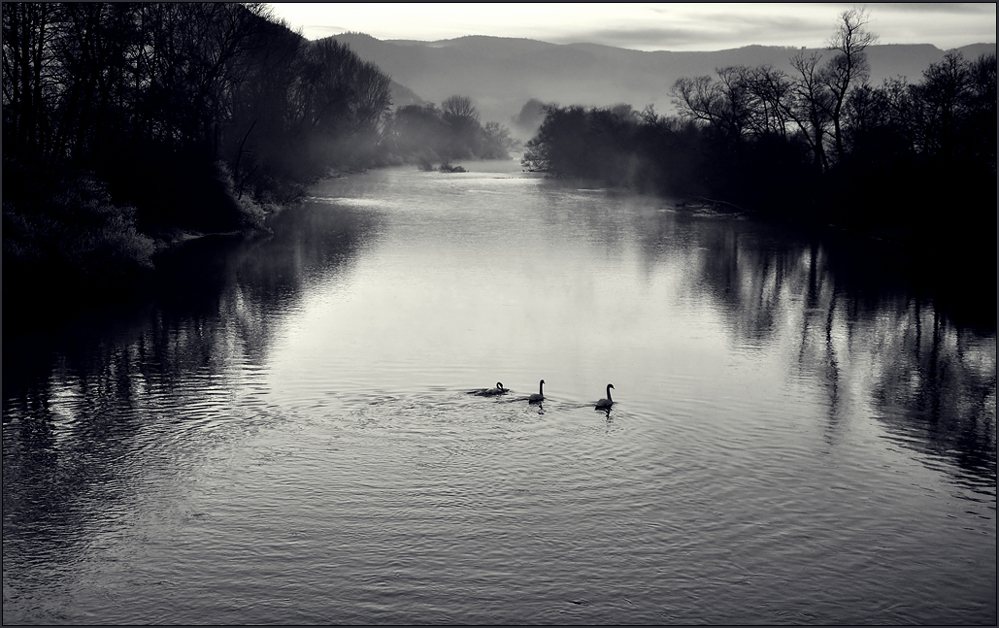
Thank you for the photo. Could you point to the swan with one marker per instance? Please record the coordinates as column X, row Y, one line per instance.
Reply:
column 608, row 402
column 499, row 390
column 540, row 395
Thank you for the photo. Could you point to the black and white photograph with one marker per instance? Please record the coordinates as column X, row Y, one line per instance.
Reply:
column 499, row 314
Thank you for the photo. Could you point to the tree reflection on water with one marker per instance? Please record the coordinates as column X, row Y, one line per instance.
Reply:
column 862, row 325
column 80, row 396
column 152, row 392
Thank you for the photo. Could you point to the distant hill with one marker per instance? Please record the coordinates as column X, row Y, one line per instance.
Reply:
column 501, row 74
column 402, row 95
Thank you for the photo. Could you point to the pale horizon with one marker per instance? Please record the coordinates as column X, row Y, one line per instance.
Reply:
column 648, row 27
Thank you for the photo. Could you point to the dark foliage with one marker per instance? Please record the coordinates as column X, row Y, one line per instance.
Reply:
column 64, row 238
column 914, row 164
column 124, row 119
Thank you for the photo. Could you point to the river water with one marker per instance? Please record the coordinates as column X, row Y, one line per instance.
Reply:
column 285, row 434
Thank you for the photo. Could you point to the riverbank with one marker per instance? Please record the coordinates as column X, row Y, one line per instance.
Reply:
column 46, row 294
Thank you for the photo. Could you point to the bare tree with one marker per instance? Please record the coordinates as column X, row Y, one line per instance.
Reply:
column 725, row 105
column 770, row 98
column 810, row 107
column 697, row 98
column 29, row 30
column 736, row 114
column 944, row 98
column 465, row 132
column 459, row 108
column 848, row 66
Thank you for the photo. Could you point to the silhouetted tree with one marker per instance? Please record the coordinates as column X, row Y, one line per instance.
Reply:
column 464, row 129
column 771, row 94
column 458, row 109
column 847, row 68
column 804, row 146
column 30, row 80
column 180, row 115
column 418, row 132
column 601, row 144
column 811, row 106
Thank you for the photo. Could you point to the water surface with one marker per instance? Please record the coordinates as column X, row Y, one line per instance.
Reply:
column 285, row 434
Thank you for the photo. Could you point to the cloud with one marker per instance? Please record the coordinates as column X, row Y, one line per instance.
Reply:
column 710, row 34
column 651, row 27
column 320, row 31
column 963, row 8
column 716, row 27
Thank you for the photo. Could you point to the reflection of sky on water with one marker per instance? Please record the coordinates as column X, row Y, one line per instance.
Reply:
column 747, row 352
column 481, row 296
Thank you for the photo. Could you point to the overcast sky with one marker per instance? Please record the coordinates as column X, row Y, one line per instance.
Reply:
column 648, row 26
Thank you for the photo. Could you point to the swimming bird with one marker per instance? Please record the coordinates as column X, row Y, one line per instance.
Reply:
column 608, row 402
column 540, row 396
column 490, row 392
column 499, row 390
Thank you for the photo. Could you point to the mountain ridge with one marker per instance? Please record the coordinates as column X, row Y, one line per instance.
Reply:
column 500, row 74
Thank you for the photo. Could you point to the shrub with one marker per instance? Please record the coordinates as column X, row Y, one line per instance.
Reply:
column 63, row 232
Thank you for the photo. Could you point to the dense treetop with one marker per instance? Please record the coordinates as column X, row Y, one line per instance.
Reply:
column 135, row 121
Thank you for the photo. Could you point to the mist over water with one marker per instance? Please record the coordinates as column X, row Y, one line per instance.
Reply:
column 285, row 435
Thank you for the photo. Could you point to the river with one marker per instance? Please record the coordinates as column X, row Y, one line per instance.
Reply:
column 285, row 432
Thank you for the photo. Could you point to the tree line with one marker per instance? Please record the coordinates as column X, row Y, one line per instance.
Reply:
column 818, row 144
column 428, row 134
column 127, row 124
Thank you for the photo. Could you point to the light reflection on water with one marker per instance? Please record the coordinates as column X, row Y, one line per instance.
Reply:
column 285, row 435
